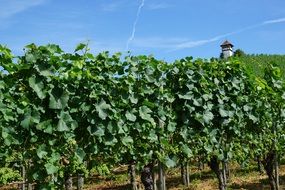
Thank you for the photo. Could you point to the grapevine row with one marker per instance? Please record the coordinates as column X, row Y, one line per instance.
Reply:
column 65, row 113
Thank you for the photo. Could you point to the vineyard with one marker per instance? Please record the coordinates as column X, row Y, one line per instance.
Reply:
column 64, row 115
column 256, row 64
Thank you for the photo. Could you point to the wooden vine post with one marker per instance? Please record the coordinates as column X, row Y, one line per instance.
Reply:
column 161, row 171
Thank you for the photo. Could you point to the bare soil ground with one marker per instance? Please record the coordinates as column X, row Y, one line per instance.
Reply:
column 240, row 179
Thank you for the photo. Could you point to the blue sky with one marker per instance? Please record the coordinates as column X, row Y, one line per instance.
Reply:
column 168, row 29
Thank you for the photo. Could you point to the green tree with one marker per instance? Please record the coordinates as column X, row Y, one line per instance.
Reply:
column 239, row 53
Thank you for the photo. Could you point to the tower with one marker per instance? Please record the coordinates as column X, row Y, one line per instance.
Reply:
column 227, row 49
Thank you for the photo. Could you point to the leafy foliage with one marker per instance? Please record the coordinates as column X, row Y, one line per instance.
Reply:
column 256, row 64
column 8, row 175
column 67, row 113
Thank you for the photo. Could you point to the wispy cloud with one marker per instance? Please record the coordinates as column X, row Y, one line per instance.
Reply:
column 97, row 46
column 110, row 47
column 274, row 21
column 191, row 44
column 156, row 6
column 115, row 5
column 135, row 25
column 158, row 42
column 174, row 44
column 13, row 7
column 111, row 6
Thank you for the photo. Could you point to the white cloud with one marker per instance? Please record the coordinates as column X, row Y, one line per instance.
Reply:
column 113, row 5
column 191, row 44
column 195, row 43
column 11, row 7
column 173, row 44
column 97, row 46
column 68, row 44
column 100, row 47
column 155, row 6
column 279, row 20
column 94, row 45
column 131, row 38
column 158, row 42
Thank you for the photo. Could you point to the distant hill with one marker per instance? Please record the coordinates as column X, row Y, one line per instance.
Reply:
column 257, row 63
